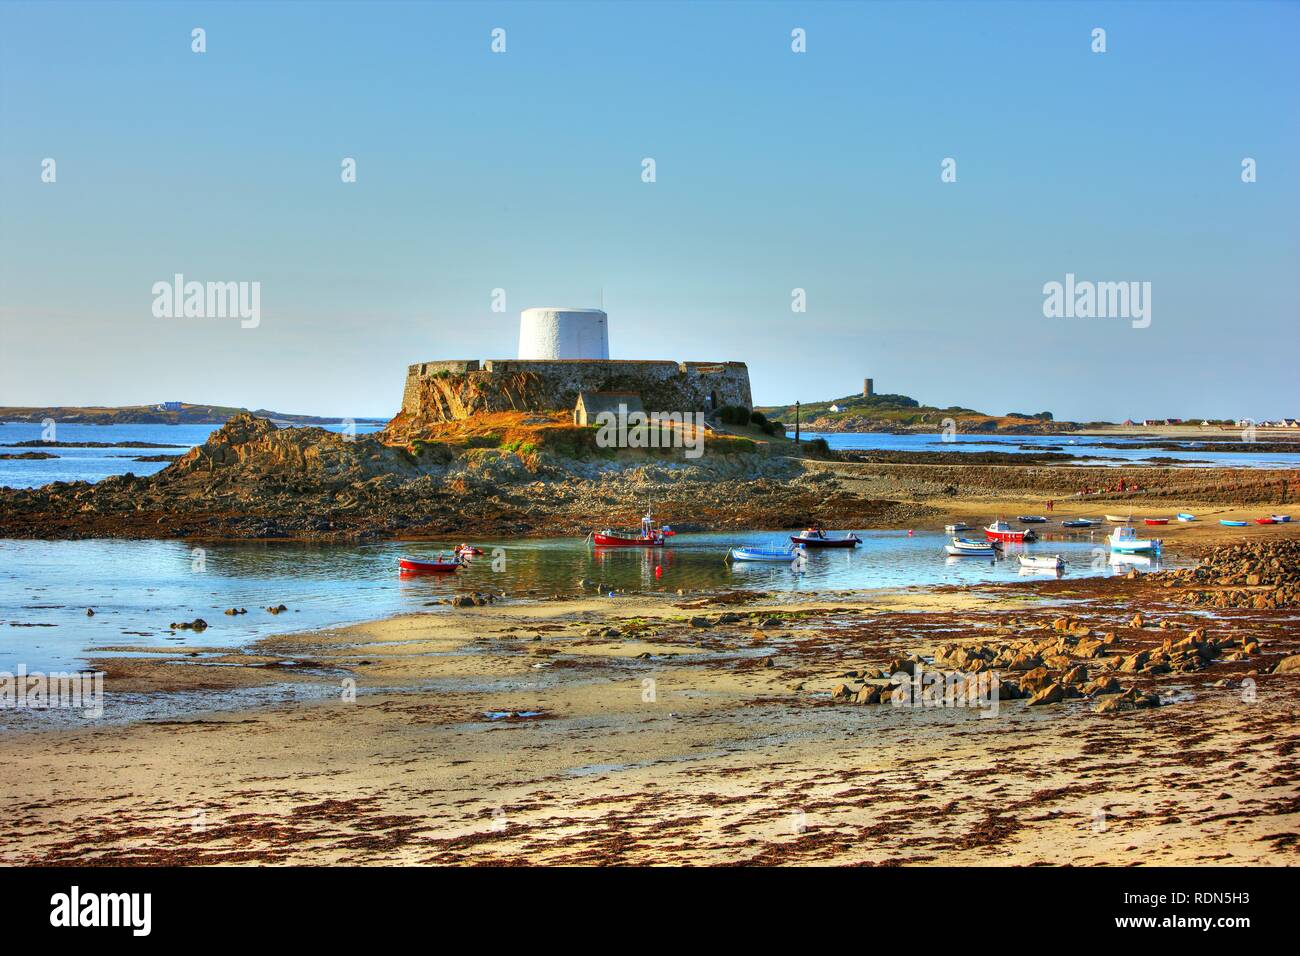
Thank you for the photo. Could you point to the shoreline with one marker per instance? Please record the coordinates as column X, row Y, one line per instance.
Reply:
column 528, row 733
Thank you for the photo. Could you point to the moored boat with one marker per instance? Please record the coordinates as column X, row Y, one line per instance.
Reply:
column 650, row 536
column 817, row 538
column 613, row 539
column 1031, row 519
column 1125, row 539
column 1281, row 519
column 1119, row 519
column 1155, row 521
column 1186, row 516
column 412, row 566
column 1002, row 531
column 1078, row 523
column 1041, row 562
column 959, row 526
column 786, row 555
column 957, row 550
column 1265, row 521
column 966, row 544
column 1233, row 524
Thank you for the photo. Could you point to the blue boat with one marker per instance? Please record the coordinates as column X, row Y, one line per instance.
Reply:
column 766, row 554
column 1233, row 524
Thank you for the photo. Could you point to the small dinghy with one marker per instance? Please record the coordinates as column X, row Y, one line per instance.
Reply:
column 1126, row 540
column 969, row 549
column 468, row 551
column 1155, row 521
column 1233, row 524
column 1119, row 519
column 966, row 544
column 775, row 555
column 1186, row 516
column 1078, row 523
column 1265, row 521
column 817, row 538
column 412, row 566
column 1281, row 519
column 1041, row 562
column 959, row 526
column 1031, row 519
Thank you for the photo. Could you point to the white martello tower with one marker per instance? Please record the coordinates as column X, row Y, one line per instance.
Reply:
column 563, row 334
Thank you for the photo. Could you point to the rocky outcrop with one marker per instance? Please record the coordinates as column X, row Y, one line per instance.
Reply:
column 1261, row 574
column 254, row 480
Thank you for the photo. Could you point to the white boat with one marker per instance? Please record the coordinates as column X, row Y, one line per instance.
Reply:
column 957, row 551
column 1185, row 516
column 766, row 554
column 966, row 544
column 1041, row 562
column 1281, row 519
column 1118, row 519
column 1125, row 540
column 959, row 526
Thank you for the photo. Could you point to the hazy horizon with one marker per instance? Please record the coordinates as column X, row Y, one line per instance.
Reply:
column 775, row 171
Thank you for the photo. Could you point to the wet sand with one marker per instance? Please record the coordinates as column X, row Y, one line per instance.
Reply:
column 618, row 731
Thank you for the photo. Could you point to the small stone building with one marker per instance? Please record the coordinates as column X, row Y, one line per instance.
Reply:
column 591, row 404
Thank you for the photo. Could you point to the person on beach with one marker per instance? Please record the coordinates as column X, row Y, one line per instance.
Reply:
column 1049, row 504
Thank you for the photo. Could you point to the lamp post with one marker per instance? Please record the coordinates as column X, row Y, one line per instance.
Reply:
column 796, row 425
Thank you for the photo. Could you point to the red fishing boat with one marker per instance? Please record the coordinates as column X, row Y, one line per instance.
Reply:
column 650, row 536
column 1265, row 521
column 1155, row 521
column 1002, row 531
column 817, row 538
column 411, row 566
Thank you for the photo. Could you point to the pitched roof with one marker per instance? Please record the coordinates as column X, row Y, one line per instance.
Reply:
column 597, row 402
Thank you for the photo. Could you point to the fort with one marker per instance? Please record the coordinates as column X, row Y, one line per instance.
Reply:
column 551, row 378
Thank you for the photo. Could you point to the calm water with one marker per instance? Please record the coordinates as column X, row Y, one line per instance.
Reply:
column 1073, row 444
column 138, row 588
column 92, row 464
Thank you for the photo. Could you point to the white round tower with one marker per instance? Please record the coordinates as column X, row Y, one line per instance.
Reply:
column 563, row 334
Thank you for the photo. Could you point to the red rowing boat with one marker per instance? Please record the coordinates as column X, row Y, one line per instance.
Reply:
column 411, row 566
column 1265, row 521
column 1155, row 521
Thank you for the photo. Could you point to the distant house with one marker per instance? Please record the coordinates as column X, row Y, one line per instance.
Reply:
column 834, row 408
column 591, row 404
column 170, row 406
column 1128, row 422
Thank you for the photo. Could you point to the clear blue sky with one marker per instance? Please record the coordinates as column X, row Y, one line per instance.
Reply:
column 775, row 171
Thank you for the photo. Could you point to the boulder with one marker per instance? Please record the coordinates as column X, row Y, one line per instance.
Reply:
column 1287, row 665
column 1052, row 694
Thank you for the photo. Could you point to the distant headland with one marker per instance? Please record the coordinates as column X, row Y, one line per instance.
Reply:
column 162, row 413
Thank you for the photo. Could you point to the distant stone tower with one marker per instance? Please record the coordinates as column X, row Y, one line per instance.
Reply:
column 868, row 388
column 563, row 334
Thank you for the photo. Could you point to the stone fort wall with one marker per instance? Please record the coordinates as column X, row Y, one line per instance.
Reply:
column 449, row 390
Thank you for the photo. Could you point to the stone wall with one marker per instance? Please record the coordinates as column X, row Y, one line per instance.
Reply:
column 445, row 391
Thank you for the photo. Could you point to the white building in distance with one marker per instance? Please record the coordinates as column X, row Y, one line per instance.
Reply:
column 563, row 334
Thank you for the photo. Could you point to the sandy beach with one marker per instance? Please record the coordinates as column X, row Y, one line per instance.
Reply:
column 699, row 729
